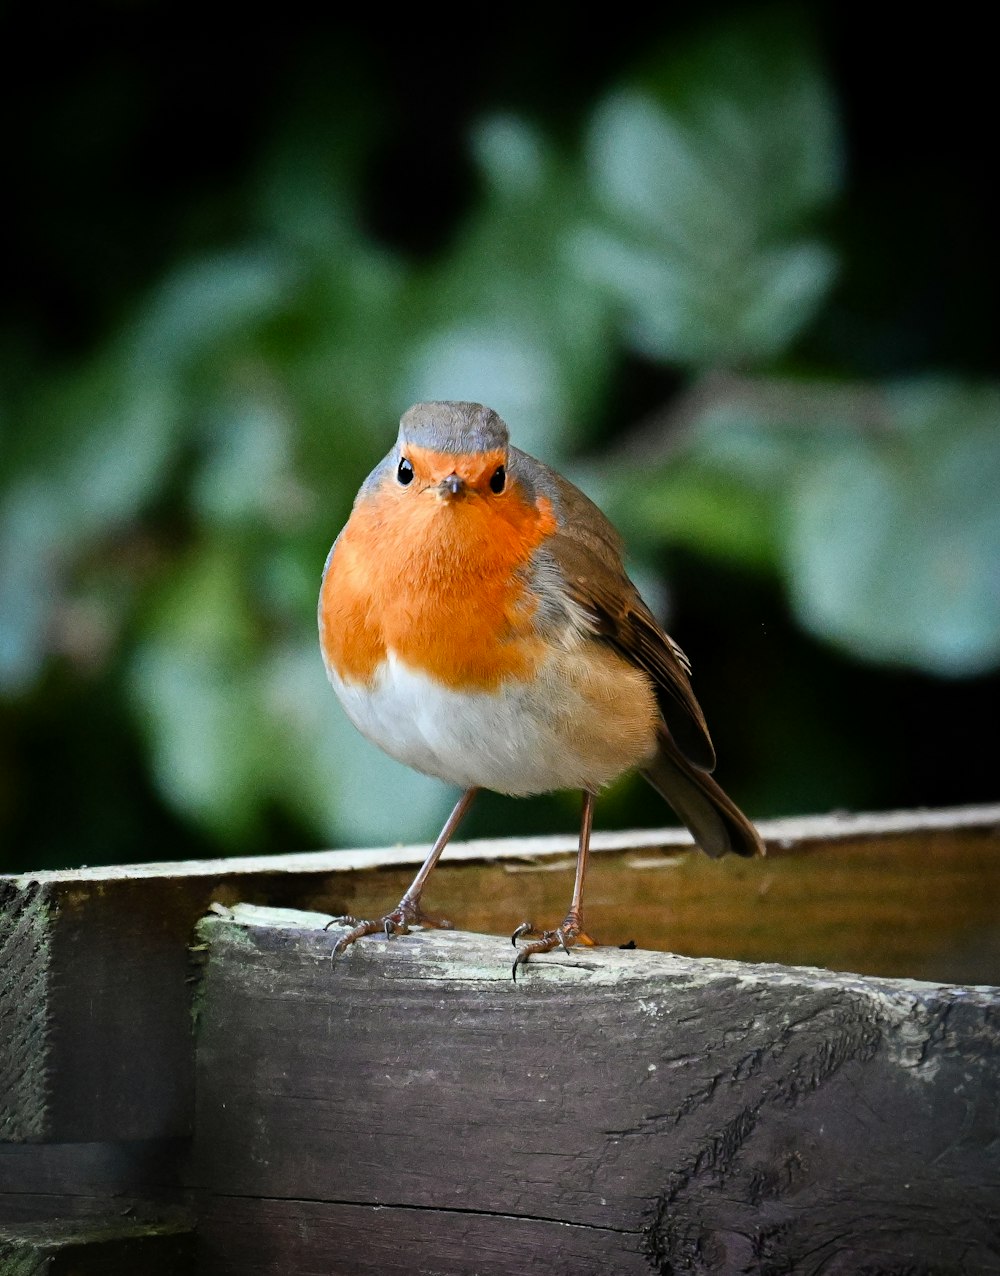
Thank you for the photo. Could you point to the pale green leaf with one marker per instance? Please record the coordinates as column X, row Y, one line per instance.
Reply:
column 894, row 542
column 706, row 182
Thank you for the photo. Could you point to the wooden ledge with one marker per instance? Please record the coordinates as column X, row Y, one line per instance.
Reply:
column 407, row 1107
column 94, row 996
column 471, row 958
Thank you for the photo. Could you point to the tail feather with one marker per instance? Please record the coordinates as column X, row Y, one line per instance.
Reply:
column 715, row 821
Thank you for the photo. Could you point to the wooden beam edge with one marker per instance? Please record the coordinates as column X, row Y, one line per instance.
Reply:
column 25, row 962
column 87, row 1244
column 470, row 957
column 59, row 1232
column 786, row 836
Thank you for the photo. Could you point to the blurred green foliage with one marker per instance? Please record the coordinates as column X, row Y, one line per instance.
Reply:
column 169, row 500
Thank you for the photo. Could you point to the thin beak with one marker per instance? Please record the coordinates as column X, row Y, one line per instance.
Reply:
column 451, row 486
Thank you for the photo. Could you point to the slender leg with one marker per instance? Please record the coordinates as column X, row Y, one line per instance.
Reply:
column 582, row 859
column 571, row 931
column 408, row 912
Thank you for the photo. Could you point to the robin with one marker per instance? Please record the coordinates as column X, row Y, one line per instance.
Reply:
column 478, row 625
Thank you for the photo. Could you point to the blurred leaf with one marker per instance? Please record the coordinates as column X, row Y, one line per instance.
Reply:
column 753, row 90
column 29, row 564
column 701, row 507
column 707, row 178
column 246, row 473
column 100, row 458
column 204, row 304
column 894, row 542
column 877, row 504
column 328, row 361
column 195, row 684
column 122, row 448
column 504, row 321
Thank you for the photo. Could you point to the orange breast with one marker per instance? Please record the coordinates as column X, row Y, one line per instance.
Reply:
column 439, row 582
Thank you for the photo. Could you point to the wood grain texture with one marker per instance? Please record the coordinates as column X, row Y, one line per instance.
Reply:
column 100, row 1047
column 317, row 1238
column 699, row 1116
column 40, row 1181
column 24, row 974
column 95, row 1016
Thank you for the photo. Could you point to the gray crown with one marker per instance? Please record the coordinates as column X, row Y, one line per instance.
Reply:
column 453, row 427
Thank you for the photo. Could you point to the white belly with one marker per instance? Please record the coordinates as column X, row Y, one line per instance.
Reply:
column 557, row 737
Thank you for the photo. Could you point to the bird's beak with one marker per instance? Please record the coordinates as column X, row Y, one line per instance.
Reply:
column 451, row 486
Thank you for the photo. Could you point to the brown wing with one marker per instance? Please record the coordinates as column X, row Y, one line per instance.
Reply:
column 619, row 617
column 586, row 553
column 586, row 558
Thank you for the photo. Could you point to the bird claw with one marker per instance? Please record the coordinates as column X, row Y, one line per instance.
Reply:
column 407, row 913
column 569, row 933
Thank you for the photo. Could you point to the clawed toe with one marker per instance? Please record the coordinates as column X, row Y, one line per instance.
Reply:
column 564, row 937
column 359, row 928
column 397, row 922
column 525, row 928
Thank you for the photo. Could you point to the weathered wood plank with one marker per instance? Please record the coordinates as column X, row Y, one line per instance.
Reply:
column 715, row 1116
column 95, row 1024
column 110, row 1247
column 79, row 1180
column 96, row 1012
column 94, row 1015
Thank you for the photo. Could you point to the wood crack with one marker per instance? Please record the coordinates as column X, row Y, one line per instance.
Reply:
column 416, row 1207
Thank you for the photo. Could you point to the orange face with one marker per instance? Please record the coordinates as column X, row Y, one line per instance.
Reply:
column 481, row 473
column 433, row 569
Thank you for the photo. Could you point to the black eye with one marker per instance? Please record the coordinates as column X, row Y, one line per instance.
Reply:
column 405, row 472
column 499, row 479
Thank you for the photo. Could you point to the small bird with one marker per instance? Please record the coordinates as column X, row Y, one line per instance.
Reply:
column 477, row 624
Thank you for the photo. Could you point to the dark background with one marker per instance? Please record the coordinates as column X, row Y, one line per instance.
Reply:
column 132, row 135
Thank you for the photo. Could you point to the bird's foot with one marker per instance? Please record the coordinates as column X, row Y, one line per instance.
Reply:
column 407, row 913
column 564, row 936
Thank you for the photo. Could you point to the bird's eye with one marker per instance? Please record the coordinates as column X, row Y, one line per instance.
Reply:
column 405, row 472
column 499, row 479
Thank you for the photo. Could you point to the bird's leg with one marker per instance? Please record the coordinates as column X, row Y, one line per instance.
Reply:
column 408, row 912
column 571, row 931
